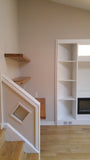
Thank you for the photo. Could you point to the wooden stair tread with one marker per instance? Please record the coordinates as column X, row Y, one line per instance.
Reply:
column 31, row 156
column 11, row 150
column 16, row 155
column 14, row 150
column 18, row 57
column 24, row 156
column 2, row 137
column 2, row 131
column 21, row 80
column 7, row 149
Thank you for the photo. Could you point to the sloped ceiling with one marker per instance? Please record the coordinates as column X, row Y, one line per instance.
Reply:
column 84, row 4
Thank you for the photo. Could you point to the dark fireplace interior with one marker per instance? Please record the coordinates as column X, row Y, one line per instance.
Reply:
column 83, row 105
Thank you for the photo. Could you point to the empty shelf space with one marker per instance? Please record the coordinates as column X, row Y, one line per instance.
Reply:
column 66, row 110
column 66, row 71
column 66, row 90
column 21, row 80
column 66, row 52
column 67, row 117
column 17, row 57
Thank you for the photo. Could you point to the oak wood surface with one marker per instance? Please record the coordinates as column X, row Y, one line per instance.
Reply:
column 14, row 150
column 65, row 143
column 9, row 151
column 2, row 137
column 21, row 80
column 32, row 156
column 18, row 57
column 16, row 155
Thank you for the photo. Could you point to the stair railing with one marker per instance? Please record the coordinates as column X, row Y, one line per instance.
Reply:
column 16, row 103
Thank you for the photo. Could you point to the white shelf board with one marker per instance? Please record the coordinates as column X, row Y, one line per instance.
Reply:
column 67, row 61
column 67, row 80
column 67, row 99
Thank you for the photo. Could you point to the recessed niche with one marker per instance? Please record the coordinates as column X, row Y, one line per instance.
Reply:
column 20, row 113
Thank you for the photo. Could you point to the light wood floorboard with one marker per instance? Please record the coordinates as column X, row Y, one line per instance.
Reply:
column 65, row 143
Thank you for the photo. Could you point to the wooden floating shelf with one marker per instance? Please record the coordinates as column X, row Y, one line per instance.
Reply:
column 42, row 107
column 18, row 57
column 21, row 80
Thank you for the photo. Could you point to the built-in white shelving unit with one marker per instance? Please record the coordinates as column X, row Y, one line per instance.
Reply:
column 72, row 80
column 66, row 65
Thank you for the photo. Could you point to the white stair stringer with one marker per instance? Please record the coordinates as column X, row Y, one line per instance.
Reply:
column 28, row 130
column 11, row 134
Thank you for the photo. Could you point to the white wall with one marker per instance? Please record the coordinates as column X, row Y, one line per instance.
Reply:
column 8, row 36
column 9, row 107
column 41, row 23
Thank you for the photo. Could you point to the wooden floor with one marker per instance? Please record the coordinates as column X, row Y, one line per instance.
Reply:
column 65, row 143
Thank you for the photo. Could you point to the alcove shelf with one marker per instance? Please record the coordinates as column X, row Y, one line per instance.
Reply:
column 21, row 80
column 18, row 57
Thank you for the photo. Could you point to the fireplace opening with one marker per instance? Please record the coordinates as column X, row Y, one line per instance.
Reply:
column 83, row 105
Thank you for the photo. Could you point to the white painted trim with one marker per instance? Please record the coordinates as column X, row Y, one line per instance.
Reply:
column 20, row 91
column 73, row 122
column 55, row 96
column 22, row 137
column 2, row 117
column 47, row 123
column 37, row 121
column 73, row 41
column 23, row 106
column 16, row 118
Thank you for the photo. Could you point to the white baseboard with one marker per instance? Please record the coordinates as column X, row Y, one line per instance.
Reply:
column 62, row 122
column 73, row 122
column 46, row 123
